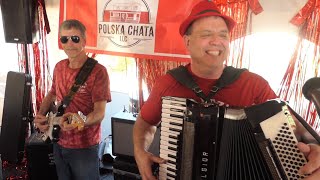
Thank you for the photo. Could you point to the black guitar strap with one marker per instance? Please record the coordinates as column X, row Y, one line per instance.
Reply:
column 229, row 75
column 79, row 80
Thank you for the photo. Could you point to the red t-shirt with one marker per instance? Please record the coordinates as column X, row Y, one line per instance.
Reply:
column 96, row 88
column 247, row 90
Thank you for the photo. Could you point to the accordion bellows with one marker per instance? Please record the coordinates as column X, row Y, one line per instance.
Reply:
column 215, row 142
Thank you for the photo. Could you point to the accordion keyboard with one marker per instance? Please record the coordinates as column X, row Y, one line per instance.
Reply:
column 171, row 127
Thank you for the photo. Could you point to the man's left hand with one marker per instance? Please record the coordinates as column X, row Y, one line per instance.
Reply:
column 312, row 153
column 70, row 121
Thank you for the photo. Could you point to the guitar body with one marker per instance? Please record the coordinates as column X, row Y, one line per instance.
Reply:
column 54, row 128
column 77, row 121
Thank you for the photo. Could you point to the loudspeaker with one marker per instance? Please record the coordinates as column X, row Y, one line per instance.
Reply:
column 20, row 21
column 125, row 169
column 40, row 160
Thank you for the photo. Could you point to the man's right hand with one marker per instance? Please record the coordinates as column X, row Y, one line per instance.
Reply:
column 145, row 160
column 41, row 122
column 143, row 134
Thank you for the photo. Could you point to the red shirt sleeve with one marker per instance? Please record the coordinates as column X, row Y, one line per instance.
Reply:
column 101, row 89
column 151, row 110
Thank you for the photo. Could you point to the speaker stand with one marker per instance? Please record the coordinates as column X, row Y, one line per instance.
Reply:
column 30, row 116
column 1, row 176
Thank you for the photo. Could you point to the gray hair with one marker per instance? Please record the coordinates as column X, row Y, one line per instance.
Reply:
column 73, row 23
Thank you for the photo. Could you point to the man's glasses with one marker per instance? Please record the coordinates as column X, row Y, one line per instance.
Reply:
column 64, row 39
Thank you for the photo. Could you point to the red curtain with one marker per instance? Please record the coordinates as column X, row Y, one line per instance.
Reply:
column 36, row 57
column 304, row 63
column 149, row 70
column 240, row 11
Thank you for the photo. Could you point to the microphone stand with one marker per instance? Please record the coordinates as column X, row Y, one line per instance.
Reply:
column 309, row 90
column 1, row 176
column 29, row 116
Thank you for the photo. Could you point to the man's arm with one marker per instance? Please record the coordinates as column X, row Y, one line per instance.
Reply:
column 97, row 115
column 46, row 104
column 143, row 134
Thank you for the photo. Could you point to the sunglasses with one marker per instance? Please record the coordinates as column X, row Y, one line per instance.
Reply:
column 64, row 39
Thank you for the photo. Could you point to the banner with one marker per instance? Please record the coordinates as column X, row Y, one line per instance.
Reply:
column 133, row 28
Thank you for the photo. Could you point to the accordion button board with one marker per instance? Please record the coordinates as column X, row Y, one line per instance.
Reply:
column 280, row 130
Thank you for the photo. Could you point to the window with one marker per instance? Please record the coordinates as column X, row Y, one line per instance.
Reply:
column 269, row 54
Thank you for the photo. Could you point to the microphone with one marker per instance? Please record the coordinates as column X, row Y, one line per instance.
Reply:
column 311, row 91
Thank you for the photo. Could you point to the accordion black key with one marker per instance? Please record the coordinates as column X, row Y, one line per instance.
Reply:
column 215, row 142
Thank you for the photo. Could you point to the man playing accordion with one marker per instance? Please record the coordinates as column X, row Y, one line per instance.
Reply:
column 206, row 36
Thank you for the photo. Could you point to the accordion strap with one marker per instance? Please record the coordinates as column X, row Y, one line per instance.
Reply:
column 229, row 75
column 79, row 80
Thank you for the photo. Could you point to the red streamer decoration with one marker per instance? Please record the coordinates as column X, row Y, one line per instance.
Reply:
column 304, row 63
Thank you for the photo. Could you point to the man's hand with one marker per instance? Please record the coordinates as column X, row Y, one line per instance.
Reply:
column 143, row 134
column 312, row 152
column 41, row 122
column 70, row 121
column 145, row 160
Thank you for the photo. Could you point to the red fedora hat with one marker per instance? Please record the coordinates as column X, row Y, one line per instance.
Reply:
column 205, row 8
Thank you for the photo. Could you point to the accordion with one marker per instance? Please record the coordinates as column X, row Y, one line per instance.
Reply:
column 216, row 142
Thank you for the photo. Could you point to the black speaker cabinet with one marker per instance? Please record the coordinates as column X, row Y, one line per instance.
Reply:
column 15, row 116
column 20, row 21
column 40, row 161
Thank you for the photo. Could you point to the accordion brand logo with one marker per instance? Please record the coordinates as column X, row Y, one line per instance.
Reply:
column 126, row 23
column 204, row 165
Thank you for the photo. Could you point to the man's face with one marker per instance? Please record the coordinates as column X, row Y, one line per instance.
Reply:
column 72, row 49
column 208, row 43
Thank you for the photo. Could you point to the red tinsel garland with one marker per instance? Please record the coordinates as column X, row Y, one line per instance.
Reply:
column 13, row 171
column 303, row 64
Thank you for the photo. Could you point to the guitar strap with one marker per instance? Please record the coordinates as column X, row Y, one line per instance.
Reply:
column 79, row 80
column 229, row 75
